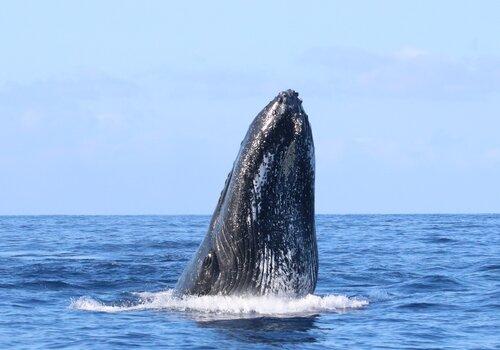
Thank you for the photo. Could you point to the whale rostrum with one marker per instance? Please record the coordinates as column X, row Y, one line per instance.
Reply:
column 261, row 239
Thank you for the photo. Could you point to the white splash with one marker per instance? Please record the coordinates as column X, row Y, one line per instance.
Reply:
column 227, row 305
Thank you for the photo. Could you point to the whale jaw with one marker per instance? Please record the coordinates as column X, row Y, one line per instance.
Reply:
column 261, row 239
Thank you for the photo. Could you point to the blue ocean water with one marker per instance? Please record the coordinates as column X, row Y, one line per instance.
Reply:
column 386, row 281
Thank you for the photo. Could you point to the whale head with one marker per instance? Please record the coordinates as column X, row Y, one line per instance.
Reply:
column 261, row 239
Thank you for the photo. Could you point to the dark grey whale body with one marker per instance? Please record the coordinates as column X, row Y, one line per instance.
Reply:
column 261, row 239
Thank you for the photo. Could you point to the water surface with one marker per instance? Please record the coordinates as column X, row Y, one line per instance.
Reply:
column 385, row 281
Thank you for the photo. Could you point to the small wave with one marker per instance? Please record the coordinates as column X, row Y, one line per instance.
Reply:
column 489, row 267
column 231, row 305
column 425, row 305
column 47, row 284
column 431, row 283
column 442, row 240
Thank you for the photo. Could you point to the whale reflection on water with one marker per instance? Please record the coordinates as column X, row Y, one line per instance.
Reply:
column 267, row 330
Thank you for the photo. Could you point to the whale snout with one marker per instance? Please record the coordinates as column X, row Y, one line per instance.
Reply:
column 283, row 120
column 290, row 98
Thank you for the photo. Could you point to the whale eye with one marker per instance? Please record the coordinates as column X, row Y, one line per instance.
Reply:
column 210, row 260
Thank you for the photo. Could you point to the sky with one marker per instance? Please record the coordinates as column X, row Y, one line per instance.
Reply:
column 139, row 107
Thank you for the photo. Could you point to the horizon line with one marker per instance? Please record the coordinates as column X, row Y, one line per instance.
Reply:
column 317, row 214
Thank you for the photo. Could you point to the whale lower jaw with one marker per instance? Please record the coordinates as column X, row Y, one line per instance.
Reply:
column 279, row 279
column 288, row 271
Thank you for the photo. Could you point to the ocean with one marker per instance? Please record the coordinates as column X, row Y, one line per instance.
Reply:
column 385, row 282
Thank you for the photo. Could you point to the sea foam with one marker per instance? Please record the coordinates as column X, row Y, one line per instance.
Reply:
column 226, row 305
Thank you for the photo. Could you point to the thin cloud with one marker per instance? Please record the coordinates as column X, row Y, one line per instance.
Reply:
column 409, row 72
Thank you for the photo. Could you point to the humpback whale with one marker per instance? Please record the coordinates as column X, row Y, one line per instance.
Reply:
column 261, row 239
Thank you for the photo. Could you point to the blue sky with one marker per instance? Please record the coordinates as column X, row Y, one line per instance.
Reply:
column 122, row 107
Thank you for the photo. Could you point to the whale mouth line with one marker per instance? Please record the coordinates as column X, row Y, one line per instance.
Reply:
column 225, row 306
